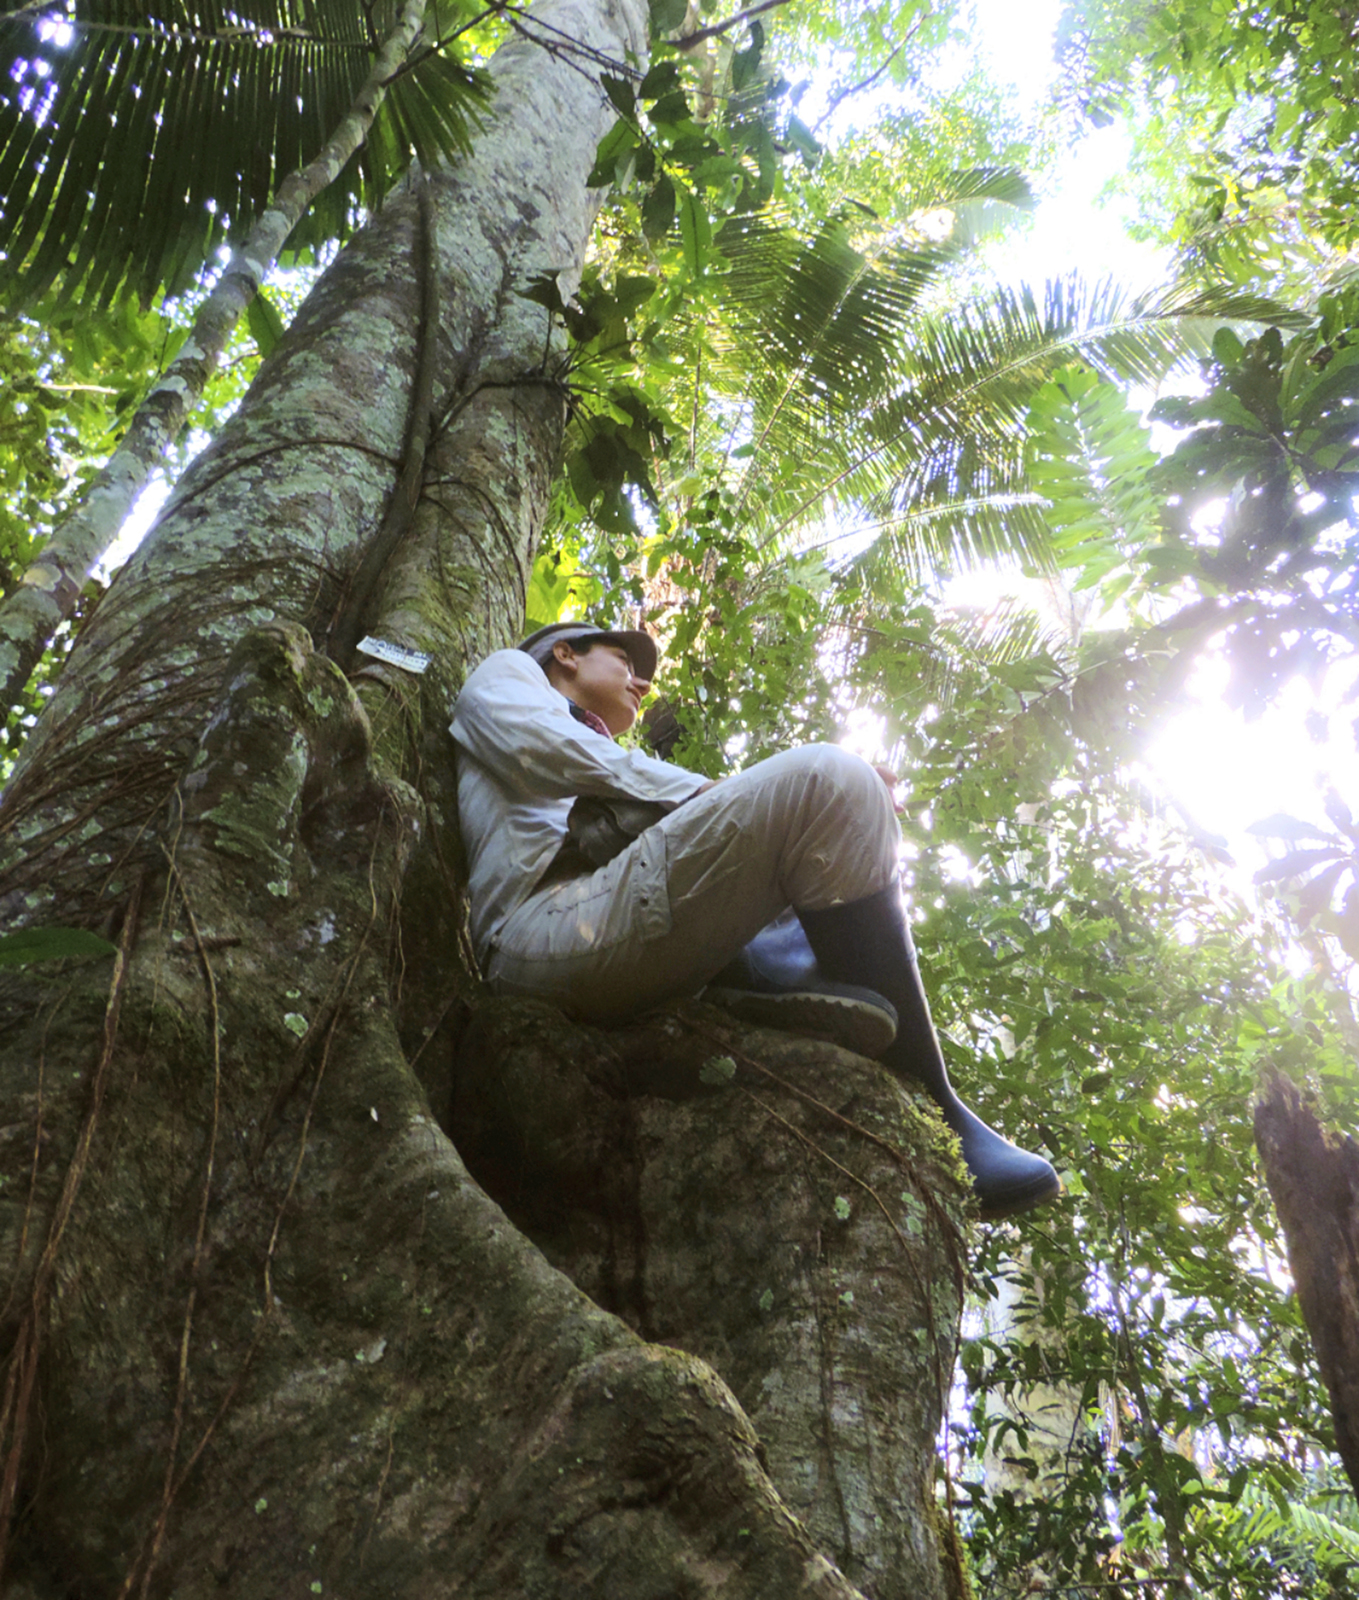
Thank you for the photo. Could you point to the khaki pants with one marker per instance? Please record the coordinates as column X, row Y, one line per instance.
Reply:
column 810, row 828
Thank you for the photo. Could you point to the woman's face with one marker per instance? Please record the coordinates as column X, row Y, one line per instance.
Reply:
column 601, row 680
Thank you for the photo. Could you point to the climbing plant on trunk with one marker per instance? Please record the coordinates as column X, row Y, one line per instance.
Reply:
column 264, row 1330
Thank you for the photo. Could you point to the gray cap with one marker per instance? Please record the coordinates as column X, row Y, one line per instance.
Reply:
column 641, row 647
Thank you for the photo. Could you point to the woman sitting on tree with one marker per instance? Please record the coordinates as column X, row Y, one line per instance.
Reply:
column 683, row 905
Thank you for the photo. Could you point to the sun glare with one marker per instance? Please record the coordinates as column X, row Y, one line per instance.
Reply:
column 1227, row 773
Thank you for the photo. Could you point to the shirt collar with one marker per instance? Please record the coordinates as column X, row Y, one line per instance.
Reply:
column 587, row 717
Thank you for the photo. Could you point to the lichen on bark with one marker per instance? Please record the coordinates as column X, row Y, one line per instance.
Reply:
column 265, row 1330
column 799, row 1227
column 292, row 1340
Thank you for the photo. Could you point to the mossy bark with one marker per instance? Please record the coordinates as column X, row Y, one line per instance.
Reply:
column 265, row 1333
column 286, row 1340
column 796, row 1225
column 1313, row 1176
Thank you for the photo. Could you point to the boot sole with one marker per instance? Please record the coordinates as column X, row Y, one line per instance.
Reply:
column 1025, row 1198
column 856, row 1025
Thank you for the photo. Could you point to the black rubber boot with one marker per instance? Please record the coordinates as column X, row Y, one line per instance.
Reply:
column 774, row 982
column 868, row 941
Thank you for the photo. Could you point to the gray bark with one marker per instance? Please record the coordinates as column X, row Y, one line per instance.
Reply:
column 272, row 521
column 788, row 1228
column 265, row 1334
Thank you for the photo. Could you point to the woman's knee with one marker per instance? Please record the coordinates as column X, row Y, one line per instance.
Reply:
column 830, row 791
column 842, row 770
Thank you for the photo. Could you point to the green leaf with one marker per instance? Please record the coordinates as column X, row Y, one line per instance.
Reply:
column 265, row 324
column 800, row 136
column 1315, row 895
column 696, row 235
column 544, row 289
column 662, row 78
column 745, row 63
column 1295, row 863
column 166, row 130
column 614, row 145
column 666, row 16
column 670, row 108
column 549, row 589
column 658, row 209
column 1279, row 825
column 620, row 93
column 51, row 944
column 633, row 290
column 1227, row 348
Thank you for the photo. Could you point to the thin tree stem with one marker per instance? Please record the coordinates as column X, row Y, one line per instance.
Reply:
column 691, row 40
column 841, row 95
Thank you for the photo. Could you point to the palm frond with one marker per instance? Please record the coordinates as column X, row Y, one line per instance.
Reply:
column 820, row 315
column 1003, row 185
column 1005, row 633
column 825, row 315
column 947, row 659
column 135, row 139
column 921, row 539
column 1265, row 1518
column 952, row 432
column 981, row 200
column 817, row 331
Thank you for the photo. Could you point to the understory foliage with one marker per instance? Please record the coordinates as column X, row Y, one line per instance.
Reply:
column 67, row 378
column 796, row 411
column 71, row 377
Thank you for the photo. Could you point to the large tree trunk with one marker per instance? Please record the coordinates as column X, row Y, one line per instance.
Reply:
column 266, row 1335
column 785, row 1224
column 1313, row 1176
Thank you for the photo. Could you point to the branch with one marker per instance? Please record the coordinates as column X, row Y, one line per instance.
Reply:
column 842, row 95
column 48, row 592
column 564, row 44
column 413, row 63
column 692, row 40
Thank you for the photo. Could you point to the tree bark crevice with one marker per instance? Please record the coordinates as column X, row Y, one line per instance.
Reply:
column 819, row 1285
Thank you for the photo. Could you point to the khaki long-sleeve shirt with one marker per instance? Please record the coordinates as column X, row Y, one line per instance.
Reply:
column 522, row 760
